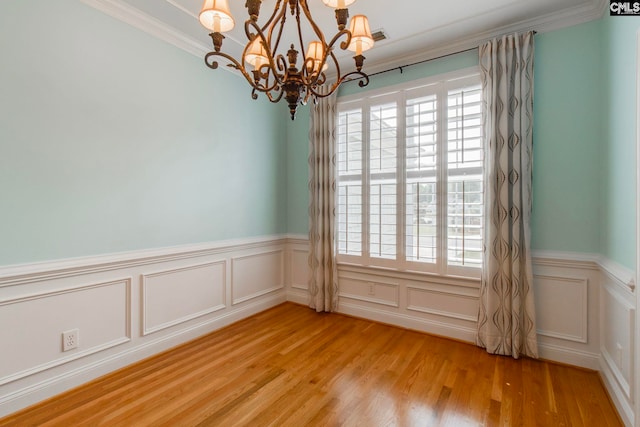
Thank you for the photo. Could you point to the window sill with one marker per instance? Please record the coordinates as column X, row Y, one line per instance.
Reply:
column 464, row 281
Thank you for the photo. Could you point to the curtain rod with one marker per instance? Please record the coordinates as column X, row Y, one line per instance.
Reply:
column 401, row 67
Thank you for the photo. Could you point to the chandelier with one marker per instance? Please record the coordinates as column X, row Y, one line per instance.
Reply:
column 278, row 75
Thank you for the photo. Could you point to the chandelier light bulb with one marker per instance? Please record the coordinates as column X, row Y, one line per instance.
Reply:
column 216, row 16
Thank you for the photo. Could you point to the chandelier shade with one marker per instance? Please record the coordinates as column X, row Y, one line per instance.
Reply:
column 316, row 53
column 216, row 16
column 338, row 4
column 292, row 70
column 361, row 38
column 256, row 54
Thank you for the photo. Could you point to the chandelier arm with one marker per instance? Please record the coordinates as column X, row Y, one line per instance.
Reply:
column 234, row 64
column 300, row 32
column 334, row 86
column 313, row 79
column 329, row 53
column 260, row 33
column 282, row 17
column 277, row 64
column 308, row 74
column 276, row 10
column 265, row 88
column 345, row 42
column 269, row 94
column 307, row 63
column 337, row 64
column 277, row 98
column 282, row 66
column 362, row 77
column 314, row 26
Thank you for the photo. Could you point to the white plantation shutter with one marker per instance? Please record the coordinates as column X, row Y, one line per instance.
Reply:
column 421, row 176
column 410, row 178
column 464, row 168
column 382, row 180
column 350, row 149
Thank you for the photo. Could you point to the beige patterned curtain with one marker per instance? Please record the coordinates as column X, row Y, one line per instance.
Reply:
column 323, row 281
column 506, row 321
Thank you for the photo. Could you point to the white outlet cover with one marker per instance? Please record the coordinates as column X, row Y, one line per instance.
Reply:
column 70, row 340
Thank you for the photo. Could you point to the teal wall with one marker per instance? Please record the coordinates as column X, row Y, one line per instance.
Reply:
column 567, row 140
column 298, row 172
column 111, row 140
column 619, row 154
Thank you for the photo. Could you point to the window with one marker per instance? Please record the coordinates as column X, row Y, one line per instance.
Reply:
column 410, row 177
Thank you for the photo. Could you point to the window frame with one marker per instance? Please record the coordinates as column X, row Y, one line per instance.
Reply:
column 440, row 86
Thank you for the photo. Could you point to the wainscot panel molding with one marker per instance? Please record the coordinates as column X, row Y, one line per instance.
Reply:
column 553, row 295
column 126, row 307
column 297, row 269
column 203, row 283
column 568, row 283
column 257, row 274
column 617, row 344
column 102, row 309
column 568, row 320
column 149, row 301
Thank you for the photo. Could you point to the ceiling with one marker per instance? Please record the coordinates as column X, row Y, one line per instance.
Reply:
column 416, row 29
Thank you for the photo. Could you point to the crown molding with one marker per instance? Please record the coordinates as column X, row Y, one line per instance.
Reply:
column 130, row 15
column 541, row 24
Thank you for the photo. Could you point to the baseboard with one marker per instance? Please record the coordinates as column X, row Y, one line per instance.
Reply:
column 298, row 297
column 569, row 356
column 616, row 394
column 459, row 333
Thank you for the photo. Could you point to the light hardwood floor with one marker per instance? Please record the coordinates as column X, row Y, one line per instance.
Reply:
column 289, row 366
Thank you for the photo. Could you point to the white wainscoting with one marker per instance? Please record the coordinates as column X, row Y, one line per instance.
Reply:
column 126, row 307
column 133, row 305
column 585, row 309
column 175, row 296
column 567, row 289
column 617, row 344
column 567, row 293
column 256, row 274
column 298, row 270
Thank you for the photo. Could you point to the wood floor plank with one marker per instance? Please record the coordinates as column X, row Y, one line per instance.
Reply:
column 290, row 366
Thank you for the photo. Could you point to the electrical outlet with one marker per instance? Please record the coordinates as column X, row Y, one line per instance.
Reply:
column 619, row 355
column 372, row 289
column 70, row 340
